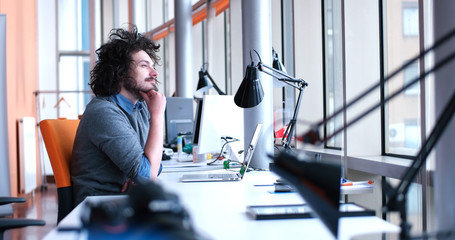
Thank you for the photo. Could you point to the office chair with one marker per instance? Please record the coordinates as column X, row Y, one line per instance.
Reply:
column 58, row 136
column 7, row 223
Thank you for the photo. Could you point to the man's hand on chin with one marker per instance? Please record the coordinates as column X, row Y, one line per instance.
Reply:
column 156, row 101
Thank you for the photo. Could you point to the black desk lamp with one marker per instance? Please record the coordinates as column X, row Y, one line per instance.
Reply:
column 288, row 166
column 317, row 182
column 206, row 82
column 250, row 92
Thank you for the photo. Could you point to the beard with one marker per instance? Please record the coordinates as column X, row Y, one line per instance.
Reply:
column 131, row 85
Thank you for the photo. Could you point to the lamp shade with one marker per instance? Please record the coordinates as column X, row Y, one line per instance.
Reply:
column 277, row 64
column 250, row 92
column 204, row 83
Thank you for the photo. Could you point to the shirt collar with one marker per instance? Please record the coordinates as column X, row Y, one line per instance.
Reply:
column 125, row 103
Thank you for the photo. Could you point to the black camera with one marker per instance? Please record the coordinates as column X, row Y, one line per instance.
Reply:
column 148, row 212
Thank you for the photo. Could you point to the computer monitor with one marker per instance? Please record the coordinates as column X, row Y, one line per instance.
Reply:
column 179, row 118
column 220, row 117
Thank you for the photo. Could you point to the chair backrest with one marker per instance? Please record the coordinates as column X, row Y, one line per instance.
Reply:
column 58, row 136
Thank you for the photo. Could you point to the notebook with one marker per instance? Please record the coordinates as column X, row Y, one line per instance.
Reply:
column 217, row 177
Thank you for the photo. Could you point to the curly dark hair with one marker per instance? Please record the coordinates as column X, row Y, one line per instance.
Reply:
column 114, row 60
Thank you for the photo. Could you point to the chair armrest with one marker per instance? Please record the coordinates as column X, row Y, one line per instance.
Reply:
column 9, row 223
column 8, row 200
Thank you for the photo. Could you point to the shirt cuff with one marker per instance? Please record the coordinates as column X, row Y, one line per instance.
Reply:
column 144, row 168
column 161, row 169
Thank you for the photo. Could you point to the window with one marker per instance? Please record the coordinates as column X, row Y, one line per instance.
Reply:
column 411, row 134
column 403, row 118
column 410, row 73
column 351, row 67
column 74, row 75
column 410, row 16
column 399, row 48
column 333, row 72
column 71, row 92
column 217, row 51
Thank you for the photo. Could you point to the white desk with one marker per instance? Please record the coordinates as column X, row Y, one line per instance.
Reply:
column 218, row 211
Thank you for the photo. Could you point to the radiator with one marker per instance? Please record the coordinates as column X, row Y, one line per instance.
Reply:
column 27, row 154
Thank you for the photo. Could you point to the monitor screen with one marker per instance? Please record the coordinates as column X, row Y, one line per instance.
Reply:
column 220, row 117
column 179, row 117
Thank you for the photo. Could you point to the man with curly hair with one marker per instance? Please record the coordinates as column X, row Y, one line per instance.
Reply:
column 120, row 135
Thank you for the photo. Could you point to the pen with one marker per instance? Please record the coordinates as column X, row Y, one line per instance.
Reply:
column 263, row 185
column 357, row 183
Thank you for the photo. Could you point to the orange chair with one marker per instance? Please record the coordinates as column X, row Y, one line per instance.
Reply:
column 58, row 136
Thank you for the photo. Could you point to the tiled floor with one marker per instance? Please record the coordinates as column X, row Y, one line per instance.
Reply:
column 40, row 205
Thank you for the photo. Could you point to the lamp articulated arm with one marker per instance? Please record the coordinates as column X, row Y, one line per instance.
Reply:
column 206, row 82
column 218, row 90
column 299, row 84
column 250, row 92
column 284, row 76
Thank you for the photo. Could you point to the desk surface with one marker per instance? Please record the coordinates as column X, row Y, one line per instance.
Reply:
column 173, row 165
column 217, row 210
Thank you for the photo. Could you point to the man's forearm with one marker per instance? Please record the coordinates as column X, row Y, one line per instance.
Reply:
column 154, row 146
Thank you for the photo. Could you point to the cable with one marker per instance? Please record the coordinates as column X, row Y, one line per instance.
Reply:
column 222, row 148
column 226, row 139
